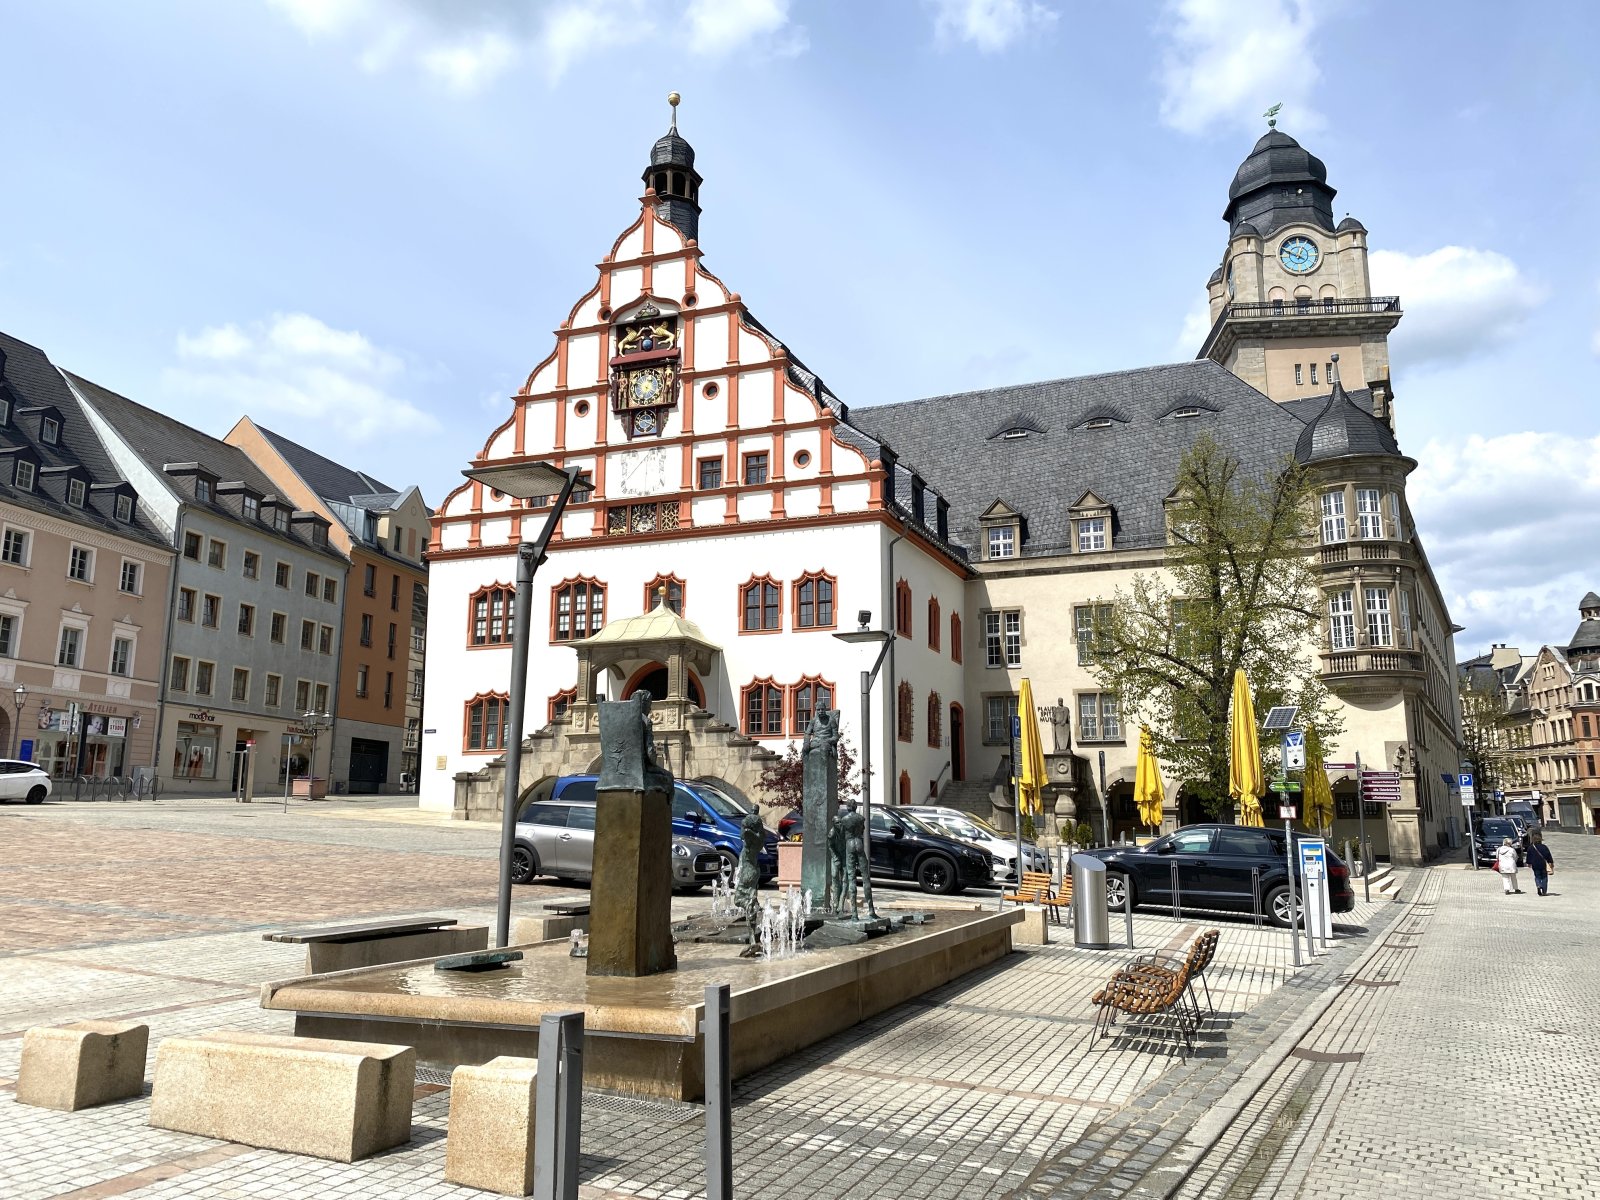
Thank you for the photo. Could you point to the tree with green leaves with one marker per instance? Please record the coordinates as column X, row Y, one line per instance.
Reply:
column 1239, row 590
column 1487, row 734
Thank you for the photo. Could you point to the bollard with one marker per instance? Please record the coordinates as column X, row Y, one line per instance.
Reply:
column 1177, row 902
column 1127, row 919
column 558, row 1107
column 719, row 1095
column 1255, row 892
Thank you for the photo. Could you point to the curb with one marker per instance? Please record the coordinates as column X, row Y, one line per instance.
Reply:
column 1205, row 1133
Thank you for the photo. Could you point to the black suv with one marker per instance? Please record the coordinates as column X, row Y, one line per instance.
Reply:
column 905, row 847
column 1486, row 839
column 1214, row 865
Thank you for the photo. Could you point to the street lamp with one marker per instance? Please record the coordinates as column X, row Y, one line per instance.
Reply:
column 19, row 698
column 314, row 722
column 885, row 640
column 522, row 481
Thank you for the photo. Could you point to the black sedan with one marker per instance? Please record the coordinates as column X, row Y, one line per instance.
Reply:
column 1215, row 866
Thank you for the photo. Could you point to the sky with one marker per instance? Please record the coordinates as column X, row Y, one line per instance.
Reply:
column 360, row 221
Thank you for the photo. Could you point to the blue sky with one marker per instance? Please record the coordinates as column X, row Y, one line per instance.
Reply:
column 359, row 220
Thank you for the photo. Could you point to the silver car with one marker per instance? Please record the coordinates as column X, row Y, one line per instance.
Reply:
column 556, row 837
column 1002, row 847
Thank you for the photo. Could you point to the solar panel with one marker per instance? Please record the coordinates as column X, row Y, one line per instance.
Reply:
column 1281, row 717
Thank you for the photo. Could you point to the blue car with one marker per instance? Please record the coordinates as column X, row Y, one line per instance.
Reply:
column 699, row 810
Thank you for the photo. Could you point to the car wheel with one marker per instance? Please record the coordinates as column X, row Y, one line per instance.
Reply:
column 37, row 794
column 524, row 864
column 937, row 875
column 1280, row 908
column 732, row 859
column 1119, row 891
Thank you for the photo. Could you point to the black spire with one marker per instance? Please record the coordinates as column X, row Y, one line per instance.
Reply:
column 677, row 184
column 1343, row 429
column 1278, row 184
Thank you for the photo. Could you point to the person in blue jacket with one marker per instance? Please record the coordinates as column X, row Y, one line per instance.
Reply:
column 1542, row 862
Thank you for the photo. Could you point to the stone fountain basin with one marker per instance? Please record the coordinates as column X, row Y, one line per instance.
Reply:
column 642, row 1036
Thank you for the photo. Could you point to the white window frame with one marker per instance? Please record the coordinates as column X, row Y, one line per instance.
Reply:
column 1369, row 512
column 1380, row 621
column 15, row 617
column 1334, row 529
column 124, row 508
column 1405, row 619
column 1091, row 534
column 251, row 508
column 77, row 493
column 1009, row 708
column 1099, row 717
column 25, row 475
column 1002, row 541
column 74, row 551
column 81, row 629
column 1341, row 620
column 120, row 639
column 217, row 553
column 50, row 431
column 25, row 538
column 138, row 577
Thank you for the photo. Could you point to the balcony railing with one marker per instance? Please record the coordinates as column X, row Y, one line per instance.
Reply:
column 1312, row 307
column 1368, row 662
column 1368, row 551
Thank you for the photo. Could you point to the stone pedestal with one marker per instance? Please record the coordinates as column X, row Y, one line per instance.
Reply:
column 491, row 1126
column 68, row 1067
column 630, row 912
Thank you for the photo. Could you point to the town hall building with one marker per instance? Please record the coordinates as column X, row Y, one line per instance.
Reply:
column 737, row 514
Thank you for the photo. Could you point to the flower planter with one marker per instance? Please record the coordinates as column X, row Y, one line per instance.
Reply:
column 789, row 864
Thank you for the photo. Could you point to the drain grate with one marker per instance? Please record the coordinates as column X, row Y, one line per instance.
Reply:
column 433, row 1075
column 666, row 1111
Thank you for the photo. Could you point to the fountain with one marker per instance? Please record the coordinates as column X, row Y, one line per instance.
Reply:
column 799, row 971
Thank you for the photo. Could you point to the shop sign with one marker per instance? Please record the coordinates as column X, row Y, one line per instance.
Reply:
column 117, row 726
column 203, row 717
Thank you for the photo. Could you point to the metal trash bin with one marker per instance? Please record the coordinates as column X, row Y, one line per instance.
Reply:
column 1091, row 926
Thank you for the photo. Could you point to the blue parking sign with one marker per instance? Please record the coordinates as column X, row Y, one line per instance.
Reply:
column 1466, row 780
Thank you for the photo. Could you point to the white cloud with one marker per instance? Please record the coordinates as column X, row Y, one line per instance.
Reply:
column 990, row 25
column 1196, row 324
column 301, row 367
column 1227, row 61
column 1458, row 301
column 1510, row 524
column 466, row 47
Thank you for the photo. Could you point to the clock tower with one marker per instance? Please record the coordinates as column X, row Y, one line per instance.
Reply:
column 1292, row 293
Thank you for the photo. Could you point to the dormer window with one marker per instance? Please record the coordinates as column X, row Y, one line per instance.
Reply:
column 1012, row 435
column 1186, row 412
column 1002, row 541
column 25, row 475
column 77, row 491
column 1091, row 524
column 1099, row 423
column 5, row 410
column 50, row 431
column 125, row 509
column 1001, row 530
column 319, row 536
column 202, row 490
column 1091, row 534
column 252, row 509
column 280, row 520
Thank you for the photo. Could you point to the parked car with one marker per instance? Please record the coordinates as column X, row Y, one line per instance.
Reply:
column 903, row 846
column 556, row 837
column 24, row 781
column 1215, row 865
column 698, row 811
column 1491, row 831
column 1525, row 810
column 1002, row 847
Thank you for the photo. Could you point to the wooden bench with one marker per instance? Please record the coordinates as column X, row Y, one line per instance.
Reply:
column 330, row 1099
column 568, row 906
column 1036, row 889
column 374, row 943
column 1195, row 960
column 1146, row 993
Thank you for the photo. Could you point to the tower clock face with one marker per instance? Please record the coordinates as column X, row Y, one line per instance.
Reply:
column 646, row 387
column 1299, row 255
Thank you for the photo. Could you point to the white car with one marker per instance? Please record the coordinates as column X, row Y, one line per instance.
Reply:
column 1002, row 847
column 23, row 781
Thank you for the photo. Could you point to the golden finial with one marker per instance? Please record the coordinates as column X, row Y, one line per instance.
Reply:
column 661, row 588
column 673, row 98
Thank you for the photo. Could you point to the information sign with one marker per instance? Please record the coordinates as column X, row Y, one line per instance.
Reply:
column 1294, row 751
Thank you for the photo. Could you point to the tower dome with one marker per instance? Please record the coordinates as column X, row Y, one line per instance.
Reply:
column 677, row 184
column 1279, row 183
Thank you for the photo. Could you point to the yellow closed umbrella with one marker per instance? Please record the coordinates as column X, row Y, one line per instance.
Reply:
column 1148, row 792
column 1031, row 776
column 1319, row 796
column 1245, row 783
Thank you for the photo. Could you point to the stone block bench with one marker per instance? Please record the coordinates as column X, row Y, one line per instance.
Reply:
column 68, row 1067
column 329, row 1099
column 490, row 1143
column 374, row 943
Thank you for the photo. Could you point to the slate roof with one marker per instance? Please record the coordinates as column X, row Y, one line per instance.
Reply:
column 1279, row 182
column 159, row 440
column 30, row 378
column 1590, row 600
column 1343, row 429
column 328, row 479
column 1130, row 464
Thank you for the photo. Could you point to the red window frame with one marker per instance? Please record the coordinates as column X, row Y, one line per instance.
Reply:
column 816, row 581
column 768, row 600
column 933, row 623
column 485, row 598
column 486, row 705
column 803, row 697
column 769, row 713
column 902, row 608
column 905, row 712
column 935, row 720
column 594, row 613
column 561, row 701
column 745, row 464
column 955, row 637
column 670, row 582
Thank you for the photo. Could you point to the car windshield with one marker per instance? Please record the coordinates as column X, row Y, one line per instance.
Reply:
column 1497, row 829
column 718, row 803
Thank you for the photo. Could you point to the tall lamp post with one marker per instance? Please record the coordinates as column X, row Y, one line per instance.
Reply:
column 314, row 722
column 522, row 481
column 885, row 640
column 19, row 698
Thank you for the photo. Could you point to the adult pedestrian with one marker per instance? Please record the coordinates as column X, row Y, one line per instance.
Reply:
column 1505, row 862
column 1542, row 862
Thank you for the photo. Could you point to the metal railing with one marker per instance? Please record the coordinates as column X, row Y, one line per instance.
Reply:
column 108, row 787
column 1310, row 306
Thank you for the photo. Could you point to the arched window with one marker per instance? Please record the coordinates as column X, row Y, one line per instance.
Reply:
column 902, row 608
column 487, row 715
column 762, row 704
column 489, row 616
column 561, row 701
column 933, row 623
column 673, row 594
column 813, row 601
column 955, row 637
column 906, row 717
column 935, row 720
column 811, row 695
column 760, row 606
column 577, row 609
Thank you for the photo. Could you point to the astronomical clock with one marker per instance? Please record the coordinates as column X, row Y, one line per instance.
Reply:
column 644, row 371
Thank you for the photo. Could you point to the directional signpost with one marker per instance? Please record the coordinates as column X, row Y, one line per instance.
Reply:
column 1380, row 787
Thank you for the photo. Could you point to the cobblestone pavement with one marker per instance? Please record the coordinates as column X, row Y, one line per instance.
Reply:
column 987, row 1087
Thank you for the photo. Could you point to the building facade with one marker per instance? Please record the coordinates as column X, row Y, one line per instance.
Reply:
column 255, row 604
column 980, row 530
column 384, row 531
column 84, row 578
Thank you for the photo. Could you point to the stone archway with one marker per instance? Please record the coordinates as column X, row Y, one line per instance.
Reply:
column 653, row 678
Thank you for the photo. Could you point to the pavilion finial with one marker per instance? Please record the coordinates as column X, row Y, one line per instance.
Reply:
column 673, row 98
